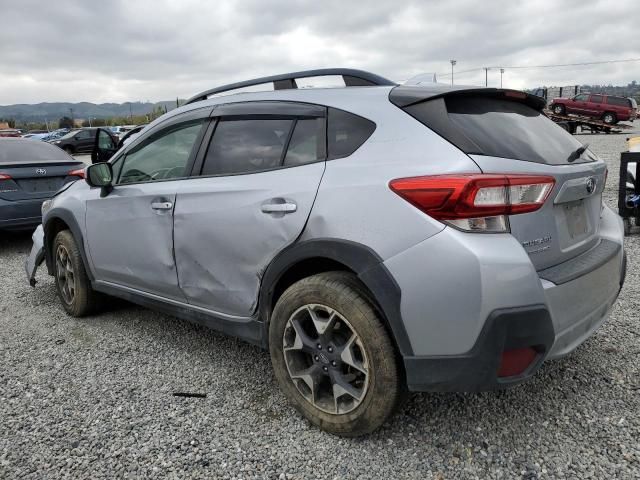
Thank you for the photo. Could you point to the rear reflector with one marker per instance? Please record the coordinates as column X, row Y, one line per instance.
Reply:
column 516, row 361
column 77, row 173
column 4, row 176
column 476, row 197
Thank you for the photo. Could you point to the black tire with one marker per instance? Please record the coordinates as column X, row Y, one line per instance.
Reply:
column 610, row 118
column 627, row 226
column 69, row 269
column 385, row 389
column 69, row 149
column 559, row 109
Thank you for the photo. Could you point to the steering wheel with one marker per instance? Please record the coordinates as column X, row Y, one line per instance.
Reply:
column 136, row 175
column 167, row 173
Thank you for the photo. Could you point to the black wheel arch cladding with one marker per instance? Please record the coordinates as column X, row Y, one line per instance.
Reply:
column 362, row 260
column 66, row 217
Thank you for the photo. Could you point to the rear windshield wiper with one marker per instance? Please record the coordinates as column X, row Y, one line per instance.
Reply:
column 577, row 153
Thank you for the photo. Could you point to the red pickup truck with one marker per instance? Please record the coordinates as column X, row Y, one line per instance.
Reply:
column 609, row 108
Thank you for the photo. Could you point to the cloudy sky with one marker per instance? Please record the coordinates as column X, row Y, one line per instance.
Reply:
column 117, row 51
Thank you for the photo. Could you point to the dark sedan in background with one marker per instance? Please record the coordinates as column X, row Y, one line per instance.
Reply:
column 79, row 141
column 30, row 173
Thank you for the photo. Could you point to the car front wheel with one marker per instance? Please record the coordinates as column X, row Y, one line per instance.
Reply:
column 332, row 355
column 73, row 285
column 558, row 109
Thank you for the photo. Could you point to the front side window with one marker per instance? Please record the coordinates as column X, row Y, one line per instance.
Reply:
column 163, row 157
column 243, row 146
column 84, row 134
column 581, row 98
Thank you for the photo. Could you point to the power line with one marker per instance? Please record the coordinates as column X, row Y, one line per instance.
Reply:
column 578, row 64
column 573, row 64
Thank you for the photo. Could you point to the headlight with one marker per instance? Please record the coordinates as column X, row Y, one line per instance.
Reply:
column 57, row 141
column 46, row 206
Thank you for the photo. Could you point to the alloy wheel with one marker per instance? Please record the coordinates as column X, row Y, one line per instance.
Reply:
column 65, row 275
column 326, row 359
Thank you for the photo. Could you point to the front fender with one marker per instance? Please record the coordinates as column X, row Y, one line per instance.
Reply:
column 58, row 219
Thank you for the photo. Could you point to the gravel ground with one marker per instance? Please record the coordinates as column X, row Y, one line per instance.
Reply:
column 94, row 398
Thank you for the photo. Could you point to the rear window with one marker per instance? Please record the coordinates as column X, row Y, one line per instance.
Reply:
column 499, row 128
column 346, row 132
column 30, row 151
column 619, row 101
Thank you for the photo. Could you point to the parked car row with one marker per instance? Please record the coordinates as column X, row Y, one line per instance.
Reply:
column 375, row 240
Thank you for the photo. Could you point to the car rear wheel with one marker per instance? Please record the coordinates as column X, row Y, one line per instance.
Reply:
column 73, row 285
column 609, row 118
column 558, row 109
column 332, row 355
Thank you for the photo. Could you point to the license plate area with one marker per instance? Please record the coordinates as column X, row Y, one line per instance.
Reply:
column 37, row 185
column 577, row 221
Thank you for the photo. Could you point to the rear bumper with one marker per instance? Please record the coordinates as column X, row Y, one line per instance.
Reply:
column 484, row 300
column 477, row 370
column 20, row 214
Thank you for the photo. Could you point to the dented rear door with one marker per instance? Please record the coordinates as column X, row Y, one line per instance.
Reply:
column 251, row 199
column 228, row 229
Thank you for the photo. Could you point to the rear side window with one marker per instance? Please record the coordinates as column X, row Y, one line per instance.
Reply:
column 307, row 143
column 243, row 146
column 497, row 127
column 596, row 98
column 619, row 101
column 346, row 132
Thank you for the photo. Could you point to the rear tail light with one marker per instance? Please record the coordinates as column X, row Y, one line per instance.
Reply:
column 516, row 361
column 77, row 173
column 4, row 176
column 475, row 202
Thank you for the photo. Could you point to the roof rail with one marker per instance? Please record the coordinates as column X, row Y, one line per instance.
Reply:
column 351, row 77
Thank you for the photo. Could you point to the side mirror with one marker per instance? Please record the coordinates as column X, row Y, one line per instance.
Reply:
column 100, row 175
column 104, row 146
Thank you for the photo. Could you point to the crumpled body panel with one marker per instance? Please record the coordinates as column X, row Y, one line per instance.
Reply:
column 224, row 240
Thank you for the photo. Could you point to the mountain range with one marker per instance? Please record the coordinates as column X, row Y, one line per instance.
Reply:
column 53, row 111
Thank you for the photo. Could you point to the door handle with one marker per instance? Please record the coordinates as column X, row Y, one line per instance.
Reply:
column 161, row 205
column 279, row 207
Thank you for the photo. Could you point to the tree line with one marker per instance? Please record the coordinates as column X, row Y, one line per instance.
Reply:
column 69, row 122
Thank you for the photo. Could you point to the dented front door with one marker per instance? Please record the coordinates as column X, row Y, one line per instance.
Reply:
column 130, row 237
column 229, row 228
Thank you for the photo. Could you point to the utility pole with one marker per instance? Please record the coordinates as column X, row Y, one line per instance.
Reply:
column 130, row 114
column 486, row 76
column 73, row 123
column 501, row 72
column 453, row 62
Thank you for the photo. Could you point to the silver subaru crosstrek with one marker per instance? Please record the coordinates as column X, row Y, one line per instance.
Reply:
column 376, row 238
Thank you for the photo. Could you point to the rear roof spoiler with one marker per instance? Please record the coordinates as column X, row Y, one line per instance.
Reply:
column 404, row 96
